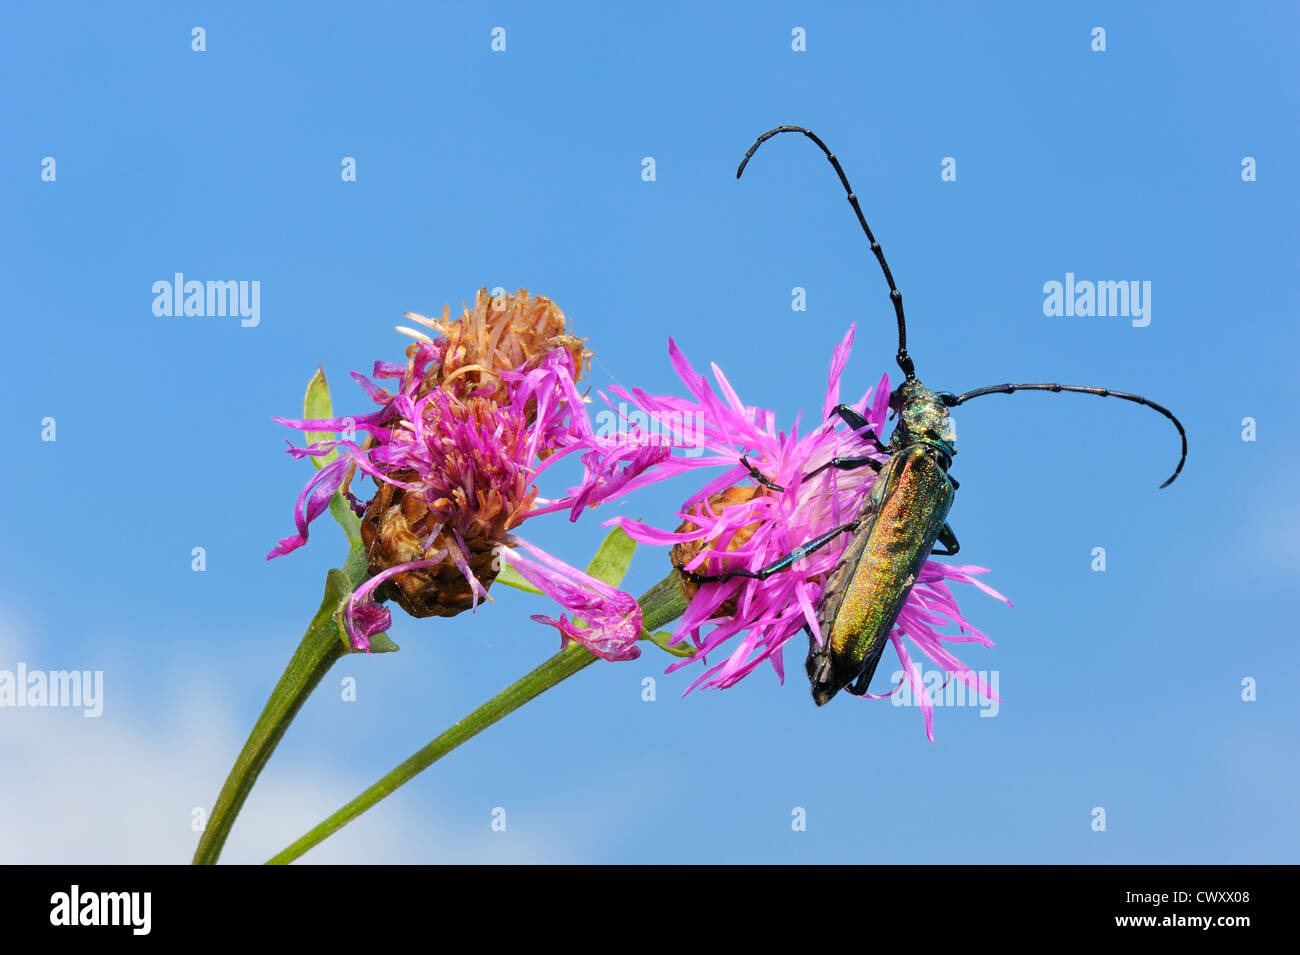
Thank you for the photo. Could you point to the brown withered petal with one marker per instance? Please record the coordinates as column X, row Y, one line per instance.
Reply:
column 506, row 333
column 684, row 552
column 440, row 591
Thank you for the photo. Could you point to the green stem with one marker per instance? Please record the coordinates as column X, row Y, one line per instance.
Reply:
column 320, row 649
column 661, row 604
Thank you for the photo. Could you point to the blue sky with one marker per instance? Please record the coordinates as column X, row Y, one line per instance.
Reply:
column 1122, row 689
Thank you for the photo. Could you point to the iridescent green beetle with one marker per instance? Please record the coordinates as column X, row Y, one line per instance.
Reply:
column 905, row 514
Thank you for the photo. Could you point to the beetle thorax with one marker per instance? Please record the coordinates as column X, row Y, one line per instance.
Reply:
column 922, row 417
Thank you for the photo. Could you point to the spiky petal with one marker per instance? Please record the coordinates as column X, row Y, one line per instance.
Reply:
column 733, row 522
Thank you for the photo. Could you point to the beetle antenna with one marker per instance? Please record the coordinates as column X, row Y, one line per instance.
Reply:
column 895, row 296
column 953, row 400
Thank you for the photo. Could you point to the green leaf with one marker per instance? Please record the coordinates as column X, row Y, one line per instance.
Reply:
column 609, row 565
column 512, row 578
column 683, row 649
column 316, row 404
column 613, row 557
column 342, row 512
column 338, row 588
column 382, row 643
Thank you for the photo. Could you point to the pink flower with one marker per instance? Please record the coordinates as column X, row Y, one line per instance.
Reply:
column 725, row 527
column 478, row 415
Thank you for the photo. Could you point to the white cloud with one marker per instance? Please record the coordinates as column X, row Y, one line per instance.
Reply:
column 84, row 791
column 122, row 788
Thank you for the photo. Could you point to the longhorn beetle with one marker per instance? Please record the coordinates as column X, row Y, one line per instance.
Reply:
column 905, row 513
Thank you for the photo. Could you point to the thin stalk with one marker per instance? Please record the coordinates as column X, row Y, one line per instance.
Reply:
column 320, row 649
column 661, row 604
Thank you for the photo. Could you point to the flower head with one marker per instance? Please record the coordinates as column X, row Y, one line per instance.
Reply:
column 727, row 525
column 476, row 415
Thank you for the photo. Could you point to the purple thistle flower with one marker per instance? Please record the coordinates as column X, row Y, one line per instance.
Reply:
column 726, row 526
column 478, row 414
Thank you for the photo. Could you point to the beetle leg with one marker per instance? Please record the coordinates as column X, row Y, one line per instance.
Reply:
column 757, row 475
column 846, row 464
column 857, row 423
column 859, row 686
column 949, row 540
column 777, row 565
